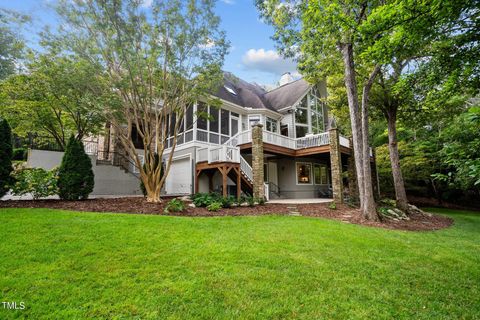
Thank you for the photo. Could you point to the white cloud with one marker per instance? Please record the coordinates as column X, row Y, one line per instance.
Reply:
column 147, row 3
column 228, row 1
column 267, row 61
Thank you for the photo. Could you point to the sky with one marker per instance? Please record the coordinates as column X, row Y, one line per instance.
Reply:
column 252, row 54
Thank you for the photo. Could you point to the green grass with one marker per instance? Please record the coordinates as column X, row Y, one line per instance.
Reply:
column 68, row 265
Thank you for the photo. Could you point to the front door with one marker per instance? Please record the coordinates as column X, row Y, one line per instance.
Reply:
column 272, row 173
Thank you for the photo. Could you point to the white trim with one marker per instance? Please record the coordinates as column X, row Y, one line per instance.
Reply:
column 296, row 173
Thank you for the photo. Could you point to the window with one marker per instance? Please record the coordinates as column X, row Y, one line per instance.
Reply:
column 213, row 119
column 224, row 114
column 320, row 173
column 202, row 113
column 301, row 116
column 304, row 173
column 301, row 131
column 309, row 113
column 234, row 125
column 271, row 125
column 189, row 118
column 230, row 90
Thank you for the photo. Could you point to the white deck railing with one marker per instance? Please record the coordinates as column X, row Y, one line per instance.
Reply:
column 344, row 142
column 314, row 140
column 278, row 139
column 221, row 153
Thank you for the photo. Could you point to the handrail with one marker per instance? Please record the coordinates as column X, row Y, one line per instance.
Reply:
column 246, row 169
column 275, row 189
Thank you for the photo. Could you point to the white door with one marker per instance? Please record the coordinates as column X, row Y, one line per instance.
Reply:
column 179, row 180
column 272, row 173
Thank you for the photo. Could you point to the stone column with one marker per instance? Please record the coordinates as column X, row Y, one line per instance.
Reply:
column 257, row 161
column 352, row 176
column 336, row 165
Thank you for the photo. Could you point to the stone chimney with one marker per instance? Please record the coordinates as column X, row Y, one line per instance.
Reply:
column 285, row 78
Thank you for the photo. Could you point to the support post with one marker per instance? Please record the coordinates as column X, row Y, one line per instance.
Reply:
column 336, row 165
column 257, row 161
column 224, row 180
column 239, row 183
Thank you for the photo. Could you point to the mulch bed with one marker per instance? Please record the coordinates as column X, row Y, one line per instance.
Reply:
column 138, row 205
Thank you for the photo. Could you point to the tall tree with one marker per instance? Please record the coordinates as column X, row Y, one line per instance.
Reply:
column 414, row 35
column 323, row 35
column 158, row 61
column 59, row 96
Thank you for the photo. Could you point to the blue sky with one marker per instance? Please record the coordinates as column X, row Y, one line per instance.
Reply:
column 252, row 55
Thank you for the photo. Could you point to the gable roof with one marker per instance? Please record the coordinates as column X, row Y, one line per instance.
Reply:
column 251, row 95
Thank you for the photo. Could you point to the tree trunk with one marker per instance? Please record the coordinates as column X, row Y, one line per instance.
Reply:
column 352, row 95
column 369, row 205
column 398, row 183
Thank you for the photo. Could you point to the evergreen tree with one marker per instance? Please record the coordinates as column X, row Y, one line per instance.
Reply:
column 75, row 176
column 5, row 156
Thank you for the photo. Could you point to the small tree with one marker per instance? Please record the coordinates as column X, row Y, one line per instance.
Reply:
column 5, row 156
column 157, row 62
column 75, row 176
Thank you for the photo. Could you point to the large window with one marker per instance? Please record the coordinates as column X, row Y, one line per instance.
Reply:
column 320, row 173
column 304, row 173
column 225, row 115
column 271, row 125
column 309, row 115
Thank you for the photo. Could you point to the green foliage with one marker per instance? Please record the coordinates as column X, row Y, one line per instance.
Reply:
column 5, row 156
column 214, row 206
column 206, row 199
column 11, row 42
column 203, row 199
column 260, row 201
column 228, row 201
column 38, row 182
column 332, row 205
column 174, row 205
column 388, row 202
column 75, row 175
column 59, row 96
column 20, row 154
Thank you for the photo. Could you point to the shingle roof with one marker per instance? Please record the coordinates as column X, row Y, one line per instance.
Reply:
column 250, row 95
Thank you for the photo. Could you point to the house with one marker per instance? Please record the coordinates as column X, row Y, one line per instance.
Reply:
column 274, row 143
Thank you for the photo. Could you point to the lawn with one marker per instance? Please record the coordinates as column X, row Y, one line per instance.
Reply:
column 68, row 265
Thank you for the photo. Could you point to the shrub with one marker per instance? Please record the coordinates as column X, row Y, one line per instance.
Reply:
column 388, row 202
column 250, row 200
column 5, row 157
column 39, row 182
column 75, row 176
column 228, row 201
column 260, row 201
column 174, row 205
column 20, row 154
column 332, row 205
column 202, row 199
column 156, row 164
column 214, row 206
